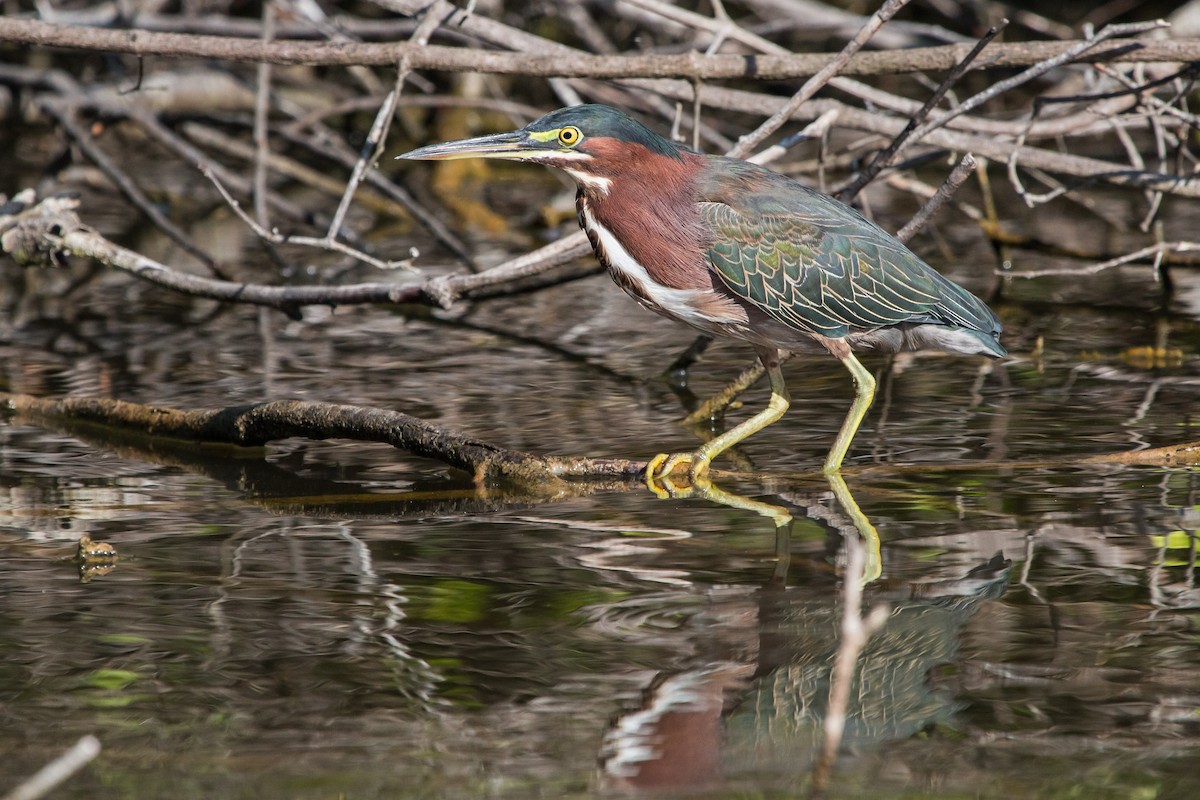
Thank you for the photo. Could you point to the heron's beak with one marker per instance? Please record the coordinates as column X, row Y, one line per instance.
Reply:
column 514, row 145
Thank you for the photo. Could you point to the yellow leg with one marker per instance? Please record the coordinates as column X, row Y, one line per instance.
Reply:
column 663, row 464
column 873, row 565
column 864, row 395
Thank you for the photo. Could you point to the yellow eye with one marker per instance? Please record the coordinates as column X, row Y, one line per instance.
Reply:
column 569, row 137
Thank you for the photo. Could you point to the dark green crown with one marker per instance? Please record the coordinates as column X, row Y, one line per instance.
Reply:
column 599, row 120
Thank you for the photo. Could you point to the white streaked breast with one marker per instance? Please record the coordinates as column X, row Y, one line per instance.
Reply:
column 683, row 304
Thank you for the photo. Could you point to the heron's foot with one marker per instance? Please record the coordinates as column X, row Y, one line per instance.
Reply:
column 663, row 466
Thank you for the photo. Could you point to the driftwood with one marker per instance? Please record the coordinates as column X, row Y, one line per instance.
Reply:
column 260, row 423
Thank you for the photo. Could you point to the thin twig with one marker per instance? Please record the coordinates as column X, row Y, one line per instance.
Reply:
column 746, row 144
column 1155, row 250
column 817, row 129
column 951, row 185
column 319, row 242
column 262, row 110
column 888, row 155
column 1037, row 70
column 373, row 146
column 64, row 114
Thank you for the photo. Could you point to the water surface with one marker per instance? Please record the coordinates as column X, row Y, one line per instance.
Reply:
column 325, row 618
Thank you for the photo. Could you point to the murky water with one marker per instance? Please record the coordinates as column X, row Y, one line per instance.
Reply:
column 338, row 618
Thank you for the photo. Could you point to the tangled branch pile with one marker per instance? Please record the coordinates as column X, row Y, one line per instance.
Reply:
column 1060, row 115
column 283, row 119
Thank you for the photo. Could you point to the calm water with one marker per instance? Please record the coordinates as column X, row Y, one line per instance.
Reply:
column 336, row 618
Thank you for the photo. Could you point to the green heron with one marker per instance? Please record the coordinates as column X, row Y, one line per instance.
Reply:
column 734, row 249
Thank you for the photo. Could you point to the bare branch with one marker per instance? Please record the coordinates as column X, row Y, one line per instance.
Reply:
column 326, row 242
column 951, row 185
column 42, row 233
column 1154, row 251
column 889, row 154
column 747, row 143
column 257, row 424
column 689, row 66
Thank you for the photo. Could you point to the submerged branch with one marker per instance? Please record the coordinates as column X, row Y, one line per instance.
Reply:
column 260, row 423
column 257, row 424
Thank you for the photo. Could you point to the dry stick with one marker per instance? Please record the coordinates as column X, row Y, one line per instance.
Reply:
column 1041, row 68
column 495, row 32
column 746, row 144
column 1080, row 123
column 726, row 27
column 499, row 34
column 262, row 105
column 369, row 154
column 373, row 146
column 64, row 115
column 688, row 66
column 40, row 233
column 321, row 242
column 749, row 376
column 1140, row 89
column 111, row 15
column 1154, row 250
column 72, row 93
column 721, row 28
column 871, row 122
column 1011, row 161
column 283, row 165
column 494, row 282
column 889, row 154
column 1155, row 198
column 986, row 146
column 951, row 185
column 823, row 19
column 257, row 424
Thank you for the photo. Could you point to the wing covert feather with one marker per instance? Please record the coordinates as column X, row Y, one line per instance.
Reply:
column 818, row 266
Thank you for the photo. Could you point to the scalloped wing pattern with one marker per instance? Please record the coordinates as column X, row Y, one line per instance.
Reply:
column 818, row 266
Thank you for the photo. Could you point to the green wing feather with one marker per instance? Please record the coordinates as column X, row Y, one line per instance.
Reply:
column 818, row 266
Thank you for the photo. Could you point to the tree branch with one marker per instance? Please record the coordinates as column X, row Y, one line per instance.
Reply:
column 689, row 66
column 42, row 234
column 257, row 424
